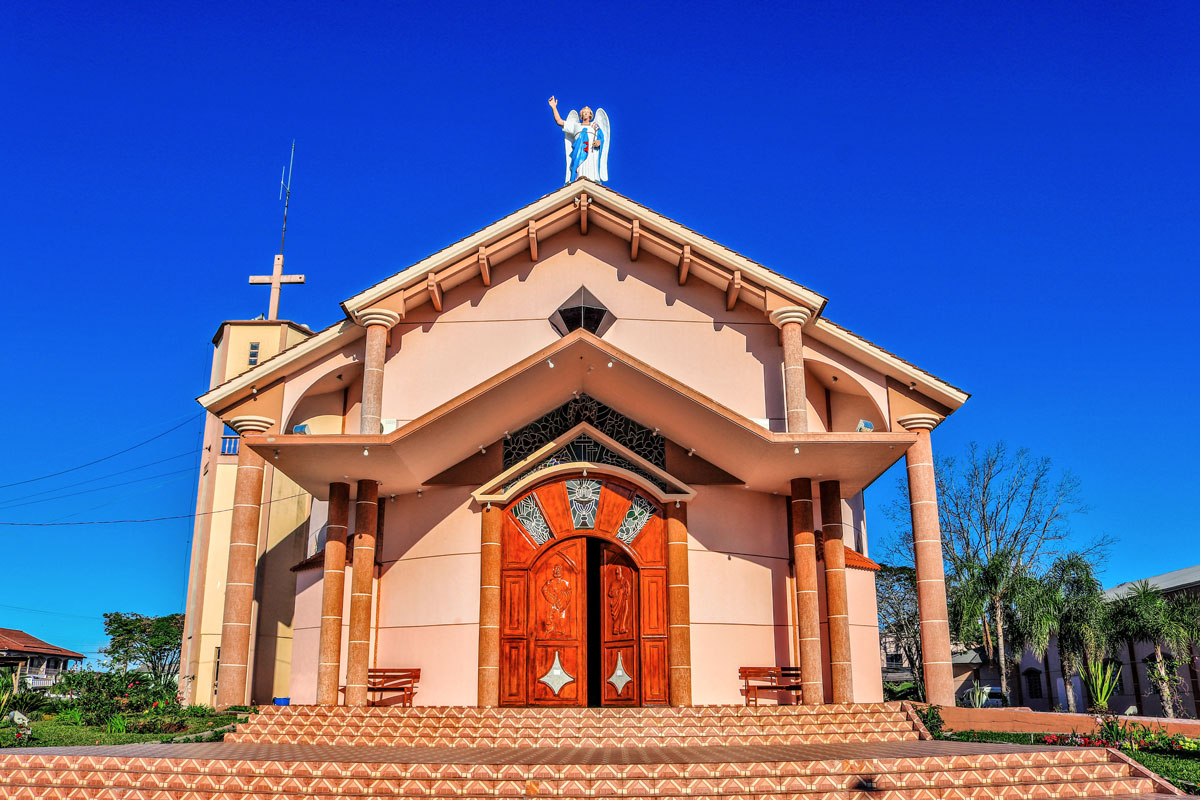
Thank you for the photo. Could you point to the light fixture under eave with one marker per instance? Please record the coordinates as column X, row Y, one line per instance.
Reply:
column 366, row 451
column 796, row 449
column 692, row 452
column 550, row 361
column 276, row 453
column 610, row 364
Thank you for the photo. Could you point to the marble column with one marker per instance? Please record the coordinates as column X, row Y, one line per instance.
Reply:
column 377, row 321
column 790, row 321
column 837, row 606
column 232, row 680
column 358, row 650
column 808, row 611
column 333, row 587
column 491, row 525
column 927, row 553
column 679, row 614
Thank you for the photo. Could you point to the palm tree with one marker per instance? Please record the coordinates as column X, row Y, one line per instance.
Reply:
column 1082, row 627
column 983, row 590
column 1145, row 614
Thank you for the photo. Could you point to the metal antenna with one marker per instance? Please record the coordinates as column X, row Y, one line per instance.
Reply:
column 285, row 193
column 276, row 279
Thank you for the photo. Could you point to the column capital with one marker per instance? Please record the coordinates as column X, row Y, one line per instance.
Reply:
column 250, row 424
column 377, row 316
column 782, row 316
column 919, row 422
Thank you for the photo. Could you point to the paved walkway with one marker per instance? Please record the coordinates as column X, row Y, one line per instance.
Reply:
column 540, row 755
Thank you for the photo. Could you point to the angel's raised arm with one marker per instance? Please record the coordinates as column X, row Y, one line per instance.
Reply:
column 554, row 108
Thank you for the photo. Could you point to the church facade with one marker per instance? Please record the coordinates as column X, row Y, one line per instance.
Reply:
column 584, row 456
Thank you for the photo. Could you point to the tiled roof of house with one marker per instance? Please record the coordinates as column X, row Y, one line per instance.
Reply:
column 14, row 640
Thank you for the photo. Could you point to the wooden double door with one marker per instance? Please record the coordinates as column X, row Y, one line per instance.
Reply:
column 583, row 612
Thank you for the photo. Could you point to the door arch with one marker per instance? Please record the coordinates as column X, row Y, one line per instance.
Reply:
column 583, row 591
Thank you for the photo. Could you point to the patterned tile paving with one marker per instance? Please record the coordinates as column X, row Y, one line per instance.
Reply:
column 850, row 752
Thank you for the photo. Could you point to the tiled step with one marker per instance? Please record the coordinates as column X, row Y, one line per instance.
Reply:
column 604, row 727
column 716, row 780
column 551, row 714
column 547, row 741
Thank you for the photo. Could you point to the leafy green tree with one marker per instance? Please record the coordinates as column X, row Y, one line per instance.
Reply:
column 1146, row 615
column 151, row 642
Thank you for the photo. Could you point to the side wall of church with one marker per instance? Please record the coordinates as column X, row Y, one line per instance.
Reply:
column 426, row 611
column 742, row 594
column 740, row 604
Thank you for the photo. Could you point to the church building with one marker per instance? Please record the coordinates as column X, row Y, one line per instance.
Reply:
column 584, row 456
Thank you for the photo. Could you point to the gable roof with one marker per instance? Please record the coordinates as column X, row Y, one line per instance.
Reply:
column 1174, row 581
column 585, row 204
column 14, row 640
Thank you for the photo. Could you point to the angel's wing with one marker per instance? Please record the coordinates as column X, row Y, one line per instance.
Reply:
column 602, row 121
column 572, row 123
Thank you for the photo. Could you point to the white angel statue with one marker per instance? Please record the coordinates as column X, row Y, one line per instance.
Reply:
column 586, row 141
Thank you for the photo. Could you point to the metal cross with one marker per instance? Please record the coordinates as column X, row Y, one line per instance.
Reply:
column 276, row 279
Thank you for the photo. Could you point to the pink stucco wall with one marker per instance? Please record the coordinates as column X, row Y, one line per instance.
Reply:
column 741, row 589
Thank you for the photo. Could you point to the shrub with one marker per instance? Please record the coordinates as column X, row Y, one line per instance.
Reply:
column 116, row 724
column 931, row 718
column 29, row 703
column 70, row 716
column 196, row 711
column 157, row 724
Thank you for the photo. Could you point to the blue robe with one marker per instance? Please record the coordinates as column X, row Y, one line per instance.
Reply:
column 582, row 145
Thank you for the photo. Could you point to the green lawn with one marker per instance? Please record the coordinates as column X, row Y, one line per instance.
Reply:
column 1181, row 769
column 51, row 733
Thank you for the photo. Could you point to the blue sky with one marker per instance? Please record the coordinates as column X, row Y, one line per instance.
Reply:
column 1007, row 196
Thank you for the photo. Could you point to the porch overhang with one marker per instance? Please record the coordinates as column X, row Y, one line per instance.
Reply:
column 580, row 363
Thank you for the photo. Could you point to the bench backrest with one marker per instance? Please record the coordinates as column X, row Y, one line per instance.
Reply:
column 783, row 674
column 389, row 678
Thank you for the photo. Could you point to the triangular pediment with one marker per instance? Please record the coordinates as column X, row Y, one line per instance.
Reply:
column 592, row 210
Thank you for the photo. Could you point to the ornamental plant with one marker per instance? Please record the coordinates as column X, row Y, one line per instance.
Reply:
column 1101, row 681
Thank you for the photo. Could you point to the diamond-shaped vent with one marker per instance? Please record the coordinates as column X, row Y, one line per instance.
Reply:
column 582, row 310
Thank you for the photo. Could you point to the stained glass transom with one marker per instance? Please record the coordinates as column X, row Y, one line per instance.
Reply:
column 584, row 495
column 586, row 449
column 583, row 408
column 639, row 513
column 529, row 514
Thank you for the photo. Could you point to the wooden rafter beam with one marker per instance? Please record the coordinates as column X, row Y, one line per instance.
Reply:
column 685, row 264
column 635, row 240
column 435, row 291
column 485, row 268
column 584, row 202
column 532, row 240
column 731, row 293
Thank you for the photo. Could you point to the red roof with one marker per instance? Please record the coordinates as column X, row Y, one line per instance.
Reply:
column 856, row 560
column 20, row 641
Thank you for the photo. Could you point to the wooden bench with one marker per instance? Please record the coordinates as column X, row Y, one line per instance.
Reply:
column 769, row 679
column 401, row 683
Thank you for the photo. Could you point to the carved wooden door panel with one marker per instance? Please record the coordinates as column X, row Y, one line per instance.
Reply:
column 558, row 593
column 619, row 629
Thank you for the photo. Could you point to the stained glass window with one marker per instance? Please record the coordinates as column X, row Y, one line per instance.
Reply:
column 529, row 514
column 584, row 494
column 639, row 513
column 638, row 438
column 586, row 449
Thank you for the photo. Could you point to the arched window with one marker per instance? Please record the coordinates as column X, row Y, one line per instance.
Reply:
column 1033, row 684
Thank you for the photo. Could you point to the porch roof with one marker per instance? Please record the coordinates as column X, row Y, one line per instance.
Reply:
column 580, row 363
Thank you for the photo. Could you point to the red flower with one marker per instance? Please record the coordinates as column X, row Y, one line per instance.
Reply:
column 155, row 704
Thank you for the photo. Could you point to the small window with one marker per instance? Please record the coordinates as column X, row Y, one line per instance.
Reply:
column 1117, row 665
column 895, row 660
column 1033, row 684
column 253, row 353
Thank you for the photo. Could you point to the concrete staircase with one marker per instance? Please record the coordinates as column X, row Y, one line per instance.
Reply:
column 848, row 752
